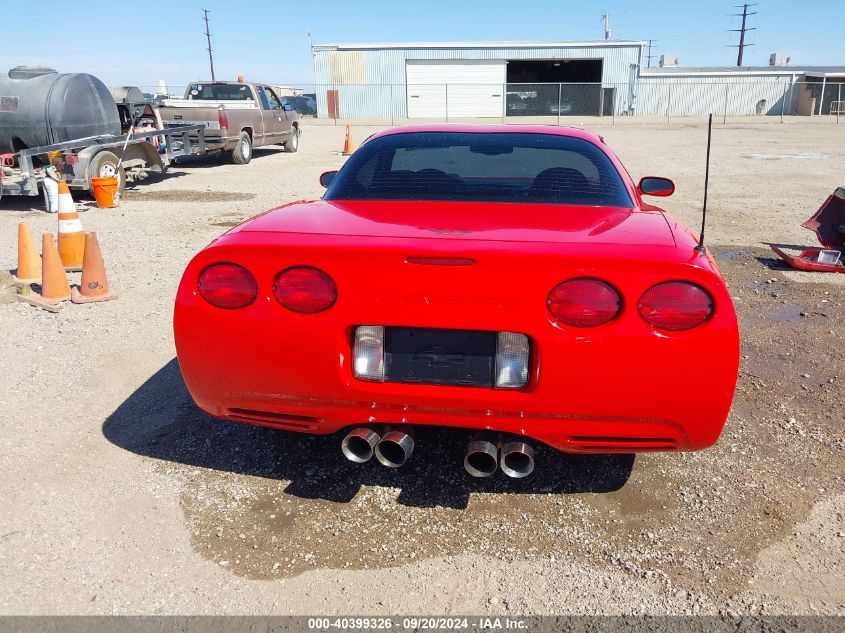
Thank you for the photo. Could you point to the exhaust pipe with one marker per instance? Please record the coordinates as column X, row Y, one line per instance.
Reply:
column 359, row 444
column 395, row 448
column 516, row 459
column 482, row 455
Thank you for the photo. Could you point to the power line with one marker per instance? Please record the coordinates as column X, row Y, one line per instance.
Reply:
column 208, row 37
column 649, row 56
column 743, row 29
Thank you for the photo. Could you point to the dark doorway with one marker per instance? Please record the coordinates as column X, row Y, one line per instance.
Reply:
column 554, row 71
column 555, row 87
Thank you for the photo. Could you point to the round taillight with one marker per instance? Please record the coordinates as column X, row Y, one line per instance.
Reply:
column 305, row 290
column 227, row 286
column 584, row 302
column 675, row 305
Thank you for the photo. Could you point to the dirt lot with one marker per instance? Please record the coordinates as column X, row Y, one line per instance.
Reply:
column 120, row 497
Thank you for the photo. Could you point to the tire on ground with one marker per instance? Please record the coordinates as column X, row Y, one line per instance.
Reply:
column 292, row 144
column 242, row 153
column 104, row 165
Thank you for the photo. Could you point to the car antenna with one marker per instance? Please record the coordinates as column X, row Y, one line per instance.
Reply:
column 700, row 247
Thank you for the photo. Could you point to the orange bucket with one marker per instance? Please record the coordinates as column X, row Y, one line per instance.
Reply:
column 105, row 192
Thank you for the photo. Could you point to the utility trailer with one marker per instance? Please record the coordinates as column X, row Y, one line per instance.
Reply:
column 99, row 156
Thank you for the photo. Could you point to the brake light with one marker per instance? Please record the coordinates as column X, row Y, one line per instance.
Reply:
column 305, row 290
column 675, row 305
column 584, row 302
column 227, row 286
column 222, row 118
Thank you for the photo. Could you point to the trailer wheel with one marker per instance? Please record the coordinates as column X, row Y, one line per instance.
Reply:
column 104, row 165
column 292, row 144
column 242, row 153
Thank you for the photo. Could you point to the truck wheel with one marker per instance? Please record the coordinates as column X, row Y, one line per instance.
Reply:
column 292, row 144
column 104, row 165
column 242, row 153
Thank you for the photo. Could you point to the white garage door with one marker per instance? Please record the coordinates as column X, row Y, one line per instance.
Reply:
column 455, row 88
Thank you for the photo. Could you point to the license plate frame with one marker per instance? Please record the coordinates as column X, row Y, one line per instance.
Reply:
column 435, row 356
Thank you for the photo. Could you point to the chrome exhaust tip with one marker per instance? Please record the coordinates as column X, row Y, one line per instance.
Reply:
column 482, row 455
column 359, row 444
column 395, row 448
column 516, row 459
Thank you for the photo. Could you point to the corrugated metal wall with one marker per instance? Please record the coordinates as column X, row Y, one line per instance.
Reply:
column 371, row 82
column 734, row 95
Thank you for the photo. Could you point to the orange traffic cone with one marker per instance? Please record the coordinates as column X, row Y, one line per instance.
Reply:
column 71, row 235
column 54, row 285
column 347, row 144
column 95, row 285
column 29, row 268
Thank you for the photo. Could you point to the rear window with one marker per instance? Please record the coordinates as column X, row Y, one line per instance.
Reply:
column 220, row 92
column 485, row 167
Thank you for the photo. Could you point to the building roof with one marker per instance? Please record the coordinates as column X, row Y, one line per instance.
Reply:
column 479, row 44
column 825, row 71
column 812, row 71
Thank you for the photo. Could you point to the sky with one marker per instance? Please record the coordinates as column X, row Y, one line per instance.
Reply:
column 268, row 41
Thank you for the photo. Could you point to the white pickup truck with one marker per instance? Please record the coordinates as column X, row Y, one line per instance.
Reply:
column 237, row 116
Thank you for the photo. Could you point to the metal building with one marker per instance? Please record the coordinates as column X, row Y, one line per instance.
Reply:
column 678, row 91
column 472, row 79
column 436, row 80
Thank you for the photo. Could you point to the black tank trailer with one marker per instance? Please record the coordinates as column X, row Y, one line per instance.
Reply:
column 75, row 122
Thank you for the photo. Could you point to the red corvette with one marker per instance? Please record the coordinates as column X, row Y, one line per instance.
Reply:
column 508, row 280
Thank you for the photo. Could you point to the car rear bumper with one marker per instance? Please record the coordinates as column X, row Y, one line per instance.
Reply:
column 214, row 142
column 585, row 394
column 620, row 387
column 574, row 434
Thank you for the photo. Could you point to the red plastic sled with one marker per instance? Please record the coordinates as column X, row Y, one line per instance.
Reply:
column 806, row 260
column 828, row 223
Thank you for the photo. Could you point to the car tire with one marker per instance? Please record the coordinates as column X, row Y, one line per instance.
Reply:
column 242, row 153
column 292, row 144
column 104, row 165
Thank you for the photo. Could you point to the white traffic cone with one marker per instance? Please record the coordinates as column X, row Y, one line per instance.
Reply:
column 71, row 235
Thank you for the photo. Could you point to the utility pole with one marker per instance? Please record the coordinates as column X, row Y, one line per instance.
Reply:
column 649, row 56
column 742, row 30
column 607, row 32
column 208, row 37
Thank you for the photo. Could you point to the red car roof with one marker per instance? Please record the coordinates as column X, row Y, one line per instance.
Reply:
column 493, row 129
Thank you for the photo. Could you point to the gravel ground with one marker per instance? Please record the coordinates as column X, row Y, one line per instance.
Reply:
column 120, row 497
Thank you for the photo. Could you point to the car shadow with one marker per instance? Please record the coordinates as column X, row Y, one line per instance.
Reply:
column 32, row 204
column 792, row 247
column 84, row 200
column 160, row 420
column 214, row 159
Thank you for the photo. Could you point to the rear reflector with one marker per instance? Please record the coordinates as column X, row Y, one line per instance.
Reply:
column 675, row 305
column 584, row 302
column 368, row 353
column 305, row 290
column 227, row 286
column 511, row 360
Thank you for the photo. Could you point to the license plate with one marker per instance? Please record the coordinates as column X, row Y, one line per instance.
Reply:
column 439, row 357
